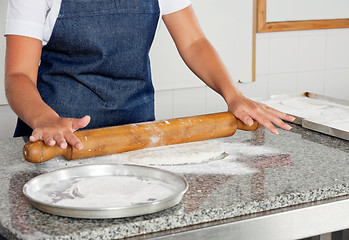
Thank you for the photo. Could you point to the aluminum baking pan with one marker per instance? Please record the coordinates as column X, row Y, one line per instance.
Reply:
column 322, row 128
column 38, row 187
column 315, row 124
column 308, row 95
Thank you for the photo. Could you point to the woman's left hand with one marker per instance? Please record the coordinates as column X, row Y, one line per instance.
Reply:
column 247, row 110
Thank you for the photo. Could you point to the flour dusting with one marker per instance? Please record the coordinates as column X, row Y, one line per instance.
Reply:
column 210, row 157
column 187, row 153
column 228, row 165
column 299, row 106
column 320, row 111
column 205, row 157
column 155, row 139
column 106, row 191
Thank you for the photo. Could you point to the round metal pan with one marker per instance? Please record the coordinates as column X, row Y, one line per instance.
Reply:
column 38, row 187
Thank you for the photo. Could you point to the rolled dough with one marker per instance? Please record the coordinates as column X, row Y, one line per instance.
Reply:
column 186, row 153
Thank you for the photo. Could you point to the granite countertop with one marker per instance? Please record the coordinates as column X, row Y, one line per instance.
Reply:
column 263, row 172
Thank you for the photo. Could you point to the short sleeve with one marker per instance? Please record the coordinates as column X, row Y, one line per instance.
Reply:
column 171, row 6
column 26, row 18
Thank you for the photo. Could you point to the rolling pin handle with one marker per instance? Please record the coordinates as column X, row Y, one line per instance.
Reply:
column 37, row 152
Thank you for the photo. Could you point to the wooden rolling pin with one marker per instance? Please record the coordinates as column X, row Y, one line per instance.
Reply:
column 112, row 140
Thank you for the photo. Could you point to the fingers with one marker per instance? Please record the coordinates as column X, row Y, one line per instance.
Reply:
column 59, row 139
column 270, row 117
column 48, row 140
column 60, row 132
column 268, row 125
column 73, row 141
column 245, row 118
column 267, row 121
column 281, row 115
column 276, row 117
column 35, row 136
column 247, row 110
column 77, row 124
column 80, row 123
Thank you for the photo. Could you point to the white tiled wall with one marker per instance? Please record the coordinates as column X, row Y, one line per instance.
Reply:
column 283, row 56
column 336, row 83
column 187, row 102
column 315, row 61
column 286, row 62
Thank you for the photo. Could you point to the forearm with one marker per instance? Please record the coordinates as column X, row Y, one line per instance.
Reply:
column 204, row 62
column 21, row 71
column 25, row 100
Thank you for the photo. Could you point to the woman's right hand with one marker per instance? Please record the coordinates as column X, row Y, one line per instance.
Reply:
column 21, row 70
column 59, row 131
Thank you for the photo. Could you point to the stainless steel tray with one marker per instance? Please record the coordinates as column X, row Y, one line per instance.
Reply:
column 53, row 185
column 313, row 123
column 332, row 131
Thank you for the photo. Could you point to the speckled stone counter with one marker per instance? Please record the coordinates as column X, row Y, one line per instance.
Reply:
column 264, row 172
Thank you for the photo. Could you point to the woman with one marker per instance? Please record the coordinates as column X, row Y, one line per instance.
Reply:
column 72, row 64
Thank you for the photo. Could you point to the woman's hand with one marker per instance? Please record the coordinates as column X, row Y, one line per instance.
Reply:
column 60, row 131
column 246, row 110
column 21, row 70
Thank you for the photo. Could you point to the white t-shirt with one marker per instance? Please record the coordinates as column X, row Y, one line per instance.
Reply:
column 36, row 18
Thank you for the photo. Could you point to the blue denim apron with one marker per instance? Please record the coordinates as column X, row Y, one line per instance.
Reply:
column 96, row 62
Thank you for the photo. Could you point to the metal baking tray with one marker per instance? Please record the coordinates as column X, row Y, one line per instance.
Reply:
column 47, row 190
column 315, row 124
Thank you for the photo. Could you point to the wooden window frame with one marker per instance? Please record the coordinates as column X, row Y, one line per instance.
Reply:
column 264, row 26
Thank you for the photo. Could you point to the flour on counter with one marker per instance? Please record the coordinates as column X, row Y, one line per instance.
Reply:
column 186, row 153
column 228, row 165
column 112, row 191
column 221, row 159
column 192, row 161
